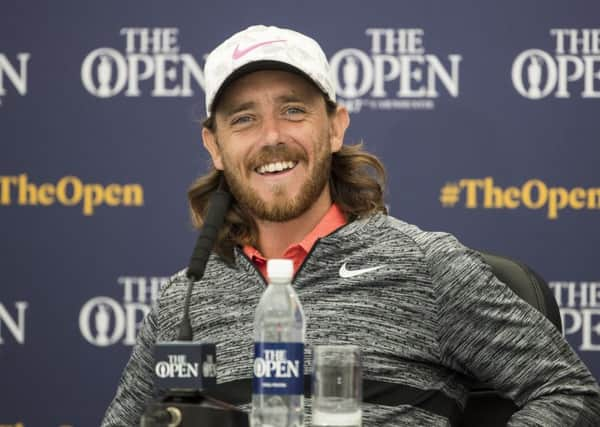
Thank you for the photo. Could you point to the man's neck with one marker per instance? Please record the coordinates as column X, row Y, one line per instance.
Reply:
column 275, row 237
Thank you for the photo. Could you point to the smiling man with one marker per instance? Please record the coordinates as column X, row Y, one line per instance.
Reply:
column 428, row 314
column 273, row 137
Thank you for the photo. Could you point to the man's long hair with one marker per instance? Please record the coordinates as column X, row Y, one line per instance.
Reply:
column 357, row 184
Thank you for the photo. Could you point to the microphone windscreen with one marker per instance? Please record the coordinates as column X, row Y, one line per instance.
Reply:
column 185, row 365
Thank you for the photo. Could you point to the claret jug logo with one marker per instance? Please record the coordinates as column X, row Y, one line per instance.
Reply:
column 275, row 364
column 395, row 74
column 572, row 69
column 13, row 73
column 177, row 367
column 104, row 321
column 151, row 60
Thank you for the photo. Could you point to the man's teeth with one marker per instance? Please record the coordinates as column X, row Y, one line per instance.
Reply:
column 275, row 167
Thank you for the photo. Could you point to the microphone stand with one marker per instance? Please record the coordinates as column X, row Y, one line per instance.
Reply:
column 192, row 407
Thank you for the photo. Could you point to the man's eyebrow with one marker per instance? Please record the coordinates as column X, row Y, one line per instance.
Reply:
column 290, row 98
column 230, row 111
column 233, row 109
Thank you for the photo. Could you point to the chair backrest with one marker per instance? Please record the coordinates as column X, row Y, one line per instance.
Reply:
column 486, row 407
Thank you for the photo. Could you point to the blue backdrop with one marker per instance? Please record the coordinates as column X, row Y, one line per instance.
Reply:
column 485, row 113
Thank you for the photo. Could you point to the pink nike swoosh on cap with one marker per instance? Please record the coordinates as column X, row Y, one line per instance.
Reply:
column 237, row 53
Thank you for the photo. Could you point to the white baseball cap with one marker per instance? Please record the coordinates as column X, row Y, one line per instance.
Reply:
column 260, row 47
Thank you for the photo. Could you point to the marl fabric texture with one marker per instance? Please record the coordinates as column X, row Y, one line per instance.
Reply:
column 432, row 317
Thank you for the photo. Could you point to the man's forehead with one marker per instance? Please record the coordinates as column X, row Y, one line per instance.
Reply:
column 275, row 85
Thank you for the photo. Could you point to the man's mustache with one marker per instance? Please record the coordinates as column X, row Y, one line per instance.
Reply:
column 276, row 153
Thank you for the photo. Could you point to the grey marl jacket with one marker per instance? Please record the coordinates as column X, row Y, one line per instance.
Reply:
column 432, row 317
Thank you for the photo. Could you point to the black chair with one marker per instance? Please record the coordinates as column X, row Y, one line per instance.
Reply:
column 485, row 407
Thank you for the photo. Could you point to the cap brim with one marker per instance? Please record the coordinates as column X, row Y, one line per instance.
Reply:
column 258, row 66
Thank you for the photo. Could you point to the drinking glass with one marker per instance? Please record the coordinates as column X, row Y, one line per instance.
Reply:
column 336, row 386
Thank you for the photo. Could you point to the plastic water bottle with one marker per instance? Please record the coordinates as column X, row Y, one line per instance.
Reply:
column 279, row 329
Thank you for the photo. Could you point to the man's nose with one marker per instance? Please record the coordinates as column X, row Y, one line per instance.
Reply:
column 271, row 128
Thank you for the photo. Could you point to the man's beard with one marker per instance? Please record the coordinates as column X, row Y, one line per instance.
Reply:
column 282, row 207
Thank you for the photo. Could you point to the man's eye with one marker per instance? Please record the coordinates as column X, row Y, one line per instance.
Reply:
column 241, row 120
column 294, row 110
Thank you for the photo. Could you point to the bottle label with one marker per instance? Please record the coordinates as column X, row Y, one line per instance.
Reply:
column 278, row 368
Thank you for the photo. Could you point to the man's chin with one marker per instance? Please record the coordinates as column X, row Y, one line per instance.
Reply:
column 278, row 203
column 277, row 211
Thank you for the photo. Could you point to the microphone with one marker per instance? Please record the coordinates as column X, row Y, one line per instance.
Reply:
column 183, row 369
column 218, row 204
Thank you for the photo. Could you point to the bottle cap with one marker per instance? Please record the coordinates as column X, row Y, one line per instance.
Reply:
column 280, row 270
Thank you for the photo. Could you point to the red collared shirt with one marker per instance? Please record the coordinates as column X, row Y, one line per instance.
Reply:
column 333, row 219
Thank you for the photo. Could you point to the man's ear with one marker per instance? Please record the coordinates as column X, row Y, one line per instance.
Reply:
column 339, row 123
column 209, row 139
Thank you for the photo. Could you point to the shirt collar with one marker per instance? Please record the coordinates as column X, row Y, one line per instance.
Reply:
column 333, row 219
